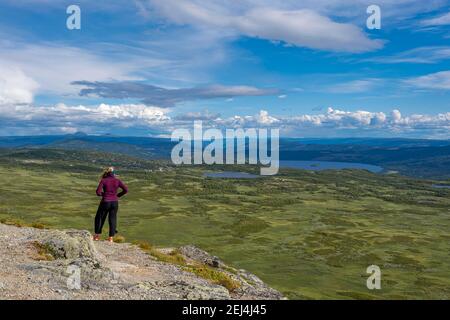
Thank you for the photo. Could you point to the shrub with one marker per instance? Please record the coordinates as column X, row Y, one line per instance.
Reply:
column 21, row 224
column 14, row 222
column 215, row 276
column 119, row 239
column 38, row 225
column 173, row 257
column 44, row 253
column 144, row 245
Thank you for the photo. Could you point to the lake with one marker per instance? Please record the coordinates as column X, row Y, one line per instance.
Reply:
column 441, row 186
column 294, row 164
column 328, row 165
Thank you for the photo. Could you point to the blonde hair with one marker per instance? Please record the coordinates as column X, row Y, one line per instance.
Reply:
column 107, row 172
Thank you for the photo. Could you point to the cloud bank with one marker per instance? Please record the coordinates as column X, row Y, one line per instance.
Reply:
column 105, row 118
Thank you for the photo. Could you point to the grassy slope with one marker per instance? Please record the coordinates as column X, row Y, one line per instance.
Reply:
column 310, row 235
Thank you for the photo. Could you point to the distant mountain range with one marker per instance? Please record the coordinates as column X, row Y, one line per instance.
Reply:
column 415, row 157
column 142, row 147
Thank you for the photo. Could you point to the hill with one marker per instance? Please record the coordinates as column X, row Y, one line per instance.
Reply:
column 412, row 157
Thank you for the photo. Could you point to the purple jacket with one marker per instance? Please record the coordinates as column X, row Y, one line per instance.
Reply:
column 107, row 189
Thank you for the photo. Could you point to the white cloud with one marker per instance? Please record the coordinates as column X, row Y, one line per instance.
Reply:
column 438, row 21
column 101, row 117
column 299, row 27
column 396, row 115
column 341, row 119
column 393, row 11
column 305, row 28
column 439, row 80
column 335, row 120
column 425, row 55
column 131, row 112
column 264, row 118
column 15, row 86
column 396, row 11
column 355, row 86
column 54, row 67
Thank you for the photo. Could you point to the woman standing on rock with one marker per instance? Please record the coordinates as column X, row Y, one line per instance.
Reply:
column 109, row 206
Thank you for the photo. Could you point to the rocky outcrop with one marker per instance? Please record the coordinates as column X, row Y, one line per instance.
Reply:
column 250, row 286
column 201, row 256
column 67, row 264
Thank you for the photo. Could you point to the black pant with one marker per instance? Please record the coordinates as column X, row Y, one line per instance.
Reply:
column 107, row 209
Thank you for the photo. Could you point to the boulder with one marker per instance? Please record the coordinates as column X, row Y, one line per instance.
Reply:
column 69, row 244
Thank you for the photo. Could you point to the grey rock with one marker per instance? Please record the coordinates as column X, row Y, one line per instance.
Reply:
column 201, row 256
column 180, row 290
column 69, row 244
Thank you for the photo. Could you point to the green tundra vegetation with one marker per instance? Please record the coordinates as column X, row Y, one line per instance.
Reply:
column 310, row 235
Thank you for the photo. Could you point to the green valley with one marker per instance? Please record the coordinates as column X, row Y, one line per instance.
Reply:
column 308, row 234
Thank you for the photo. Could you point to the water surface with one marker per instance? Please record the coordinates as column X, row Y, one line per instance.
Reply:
column 295, row 164
column 328, row 165
column 441, row 186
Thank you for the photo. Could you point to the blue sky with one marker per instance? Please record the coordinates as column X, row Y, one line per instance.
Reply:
column 146, row 67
